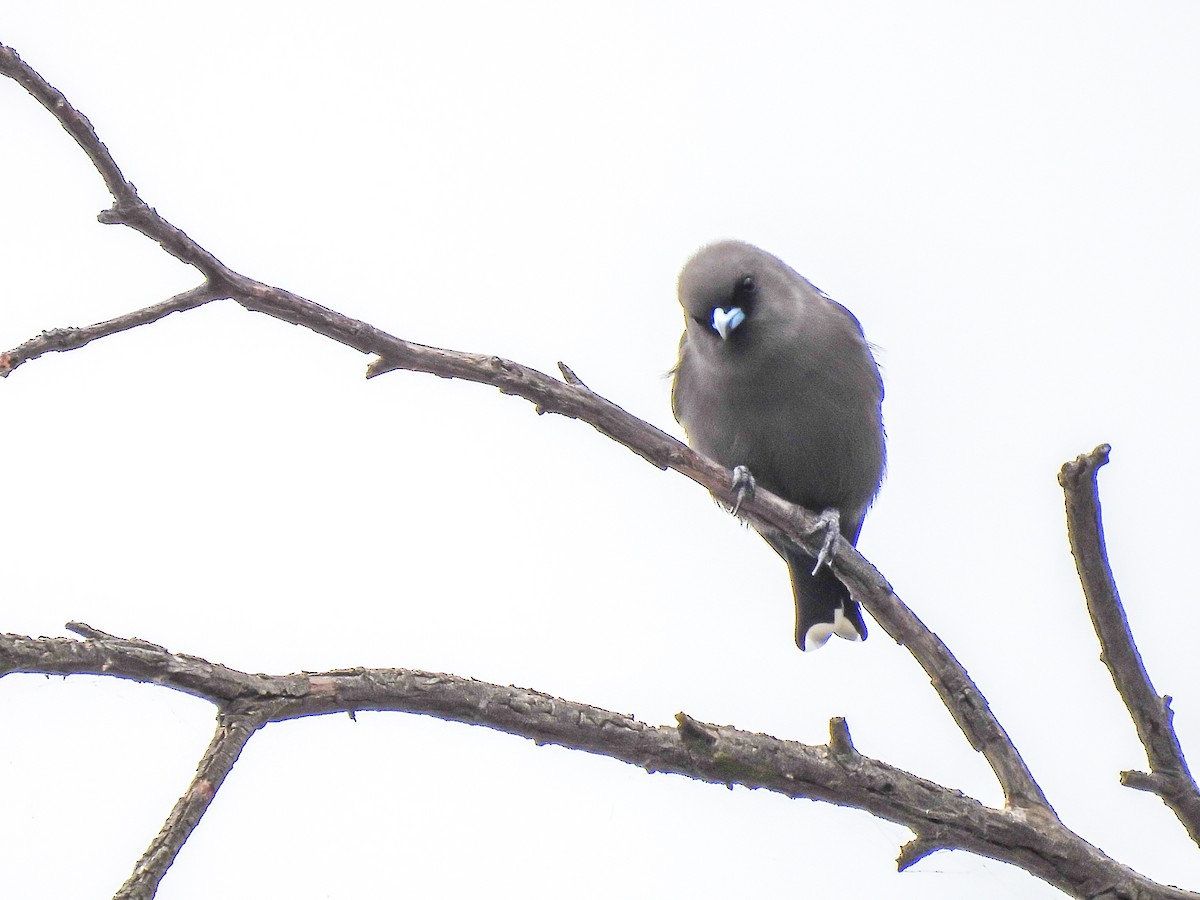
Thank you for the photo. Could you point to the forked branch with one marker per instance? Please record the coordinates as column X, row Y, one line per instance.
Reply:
column 1169, row 775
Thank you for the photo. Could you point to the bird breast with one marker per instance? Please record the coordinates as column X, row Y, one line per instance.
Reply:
column 808, row 430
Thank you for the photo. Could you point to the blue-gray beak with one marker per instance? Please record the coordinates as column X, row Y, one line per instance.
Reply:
column 725, row 320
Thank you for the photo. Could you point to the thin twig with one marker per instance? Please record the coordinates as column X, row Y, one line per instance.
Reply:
column 1169, row 776
column 234, row 730
column 75, row 122
column 60, row 339
column 128, row 208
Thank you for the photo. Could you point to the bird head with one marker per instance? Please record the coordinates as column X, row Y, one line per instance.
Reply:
column 731, row 291
column 720, row 288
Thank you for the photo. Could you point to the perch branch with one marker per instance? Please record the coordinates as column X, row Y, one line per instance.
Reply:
column 718, row 754
column 1169, row 775
column 572, row 399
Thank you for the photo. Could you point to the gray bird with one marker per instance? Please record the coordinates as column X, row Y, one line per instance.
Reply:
column 776, row 378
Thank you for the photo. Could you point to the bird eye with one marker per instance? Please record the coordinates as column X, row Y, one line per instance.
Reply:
column 746, row 285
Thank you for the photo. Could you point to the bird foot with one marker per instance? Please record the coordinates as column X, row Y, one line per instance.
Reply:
column 830, row 521
column 743, row 486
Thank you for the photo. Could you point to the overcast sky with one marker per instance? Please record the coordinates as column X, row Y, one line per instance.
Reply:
column 1006, row 195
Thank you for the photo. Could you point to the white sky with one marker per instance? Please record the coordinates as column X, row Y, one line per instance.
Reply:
column 1006, row 196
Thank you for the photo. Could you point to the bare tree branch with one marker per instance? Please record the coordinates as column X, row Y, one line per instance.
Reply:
column 835, row 772
column 1169, row 775
column 75, row 122
column 1026, row 832
column 573, row 399
column 128, row 208
column 234, row 730
column 60, row 339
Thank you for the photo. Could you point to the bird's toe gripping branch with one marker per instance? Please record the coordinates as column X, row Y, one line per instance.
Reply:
column 743, row 485
column 830, row 522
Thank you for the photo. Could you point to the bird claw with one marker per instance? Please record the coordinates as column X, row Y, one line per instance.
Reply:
column 743, row 486
column 830, row 521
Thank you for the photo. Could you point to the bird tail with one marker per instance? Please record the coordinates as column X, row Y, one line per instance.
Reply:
column 823, row 605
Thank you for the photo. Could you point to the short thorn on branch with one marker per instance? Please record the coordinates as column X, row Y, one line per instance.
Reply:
column 840, row 744
column 570, row 377
column 692, row 730
column 916, row 850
